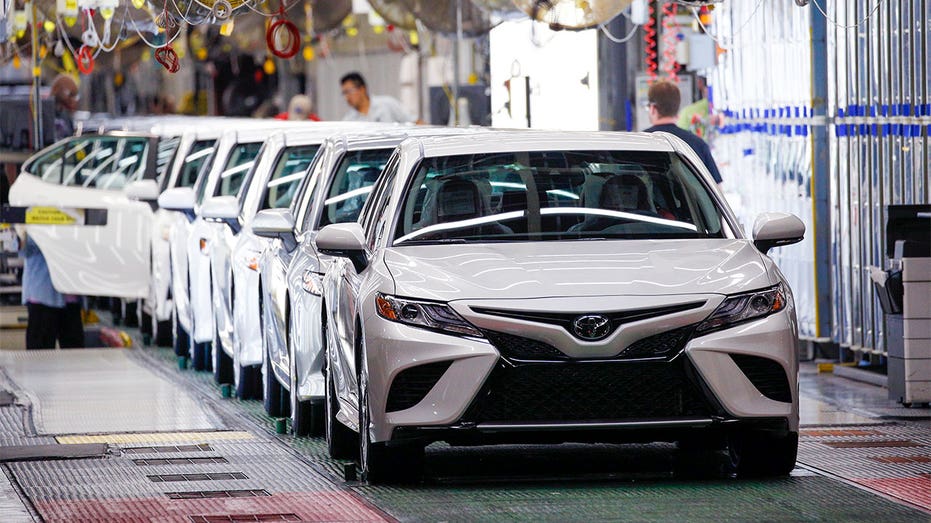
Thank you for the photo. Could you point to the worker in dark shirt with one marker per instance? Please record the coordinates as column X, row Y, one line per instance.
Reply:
column 663, row 101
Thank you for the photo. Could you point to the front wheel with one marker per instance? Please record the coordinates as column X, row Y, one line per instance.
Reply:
column 378, row 462
column 756, row 454
column 341, row 442
column 273, row 398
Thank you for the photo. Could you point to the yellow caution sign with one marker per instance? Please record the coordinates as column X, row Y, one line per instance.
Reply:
column 49, row 216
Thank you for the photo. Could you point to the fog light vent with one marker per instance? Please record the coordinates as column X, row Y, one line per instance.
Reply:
column 411, row 385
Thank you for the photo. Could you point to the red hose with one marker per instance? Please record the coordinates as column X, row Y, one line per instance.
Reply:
column 293, row 44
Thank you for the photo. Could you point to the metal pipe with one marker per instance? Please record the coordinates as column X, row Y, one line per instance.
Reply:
column 38, row 136
column 455, row 103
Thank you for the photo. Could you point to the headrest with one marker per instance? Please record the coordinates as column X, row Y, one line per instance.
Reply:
column 458, row 199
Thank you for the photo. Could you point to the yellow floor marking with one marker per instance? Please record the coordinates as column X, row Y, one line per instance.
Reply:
column 154, row 437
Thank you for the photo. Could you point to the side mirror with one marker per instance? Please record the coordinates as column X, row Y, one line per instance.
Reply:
column 222, row 209
column 775, row 229
column 276, row 223
column 142, row 190
column 346, row 240
column 177, row 199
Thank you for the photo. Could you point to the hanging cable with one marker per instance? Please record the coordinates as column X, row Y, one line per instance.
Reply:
column 609, row 36
column 872, row 12
column 718, row 39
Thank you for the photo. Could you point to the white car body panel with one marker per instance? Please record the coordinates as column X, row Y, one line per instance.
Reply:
column 109, row 260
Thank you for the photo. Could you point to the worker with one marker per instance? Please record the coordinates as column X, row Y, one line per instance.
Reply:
column 363, row 107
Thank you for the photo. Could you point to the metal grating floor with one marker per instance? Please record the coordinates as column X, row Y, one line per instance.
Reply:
column 893, row 458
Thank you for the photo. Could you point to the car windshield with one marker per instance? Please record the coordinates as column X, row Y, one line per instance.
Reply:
column 556, row 195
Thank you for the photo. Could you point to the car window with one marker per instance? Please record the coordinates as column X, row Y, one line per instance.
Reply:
column 351, row 185
column 375, row 212
column 49, row 166
column 102, row 162
column 289, row 170
column 306, row 193
column 557, row 195
column 196, row 158
column 240, row 160
column 165, row 153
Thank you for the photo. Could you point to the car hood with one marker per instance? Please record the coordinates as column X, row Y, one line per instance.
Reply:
column 580, row 268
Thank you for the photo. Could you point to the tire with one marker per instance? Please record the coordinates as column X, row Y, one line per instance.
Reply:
column 222, row 363
column 379, row 463
column 249, row 386
column 182, row 340
column 146, row 323
column 200, row 356
column 756, row 454
column 130, row 319
column 341, row 441
column 273, row 397
column 161, row 335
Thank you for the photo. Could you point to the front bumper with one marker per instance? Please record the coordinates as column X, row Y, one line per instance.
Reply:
column 479, row 396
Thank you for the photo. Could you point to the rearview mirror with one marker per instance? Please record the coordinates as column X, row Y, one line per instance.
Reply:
column 142, row 190
column 177, row 199
column 346, row 240
column 775, row 229
column 276, row 223
column 222, row 209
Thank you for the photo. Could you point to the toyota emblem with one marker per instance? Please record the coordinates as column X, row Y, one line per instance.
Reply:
column 591, row 327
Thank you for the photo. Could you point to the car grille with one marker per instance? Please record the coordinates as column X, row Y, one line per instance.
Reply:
column 662, row 344
column 587, row 391
column 565, row 320
column 519, row 348
column 766, row 375
column 411, row 385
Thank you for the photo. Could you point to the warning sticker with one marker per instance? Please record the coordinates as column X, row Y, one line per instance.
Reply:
column 51, row 216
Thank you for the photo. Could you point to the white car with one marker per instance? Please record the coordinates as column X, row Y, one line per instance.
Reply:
column 190, row 145
column 556, row 286
column 234, row 250
column 215, row 164
column 291, row 270
column 113, row 176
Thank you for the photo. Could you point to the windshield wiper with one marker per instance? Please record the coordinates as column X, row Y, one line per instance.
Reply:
column 436, row 241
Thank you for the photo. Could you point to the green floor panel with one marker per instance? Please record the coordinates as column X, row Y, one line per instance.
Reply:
column 809, row 498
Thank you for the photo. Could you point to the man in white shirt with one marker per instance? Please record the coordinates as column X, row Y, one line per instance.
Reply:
column 367, row 108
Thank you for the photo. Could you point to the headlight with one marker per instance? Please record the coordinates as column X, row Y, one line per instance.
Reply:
column 435, row 316
column 744, row 307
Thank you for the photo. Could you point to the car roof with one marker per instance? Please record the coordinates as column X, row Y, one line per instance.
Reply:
column 534, row 140
column 391, row 137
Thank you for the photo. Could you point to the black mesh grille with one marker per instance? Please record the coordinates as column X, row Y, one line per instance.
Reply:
column 662, row 344
column 587, row 391
column 411, row 385
column 520, row 348
column 766, row 375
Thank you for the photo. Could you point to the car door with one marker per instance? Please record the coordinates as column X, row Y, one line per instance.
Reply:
column 88, row 172
column 344, row 283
